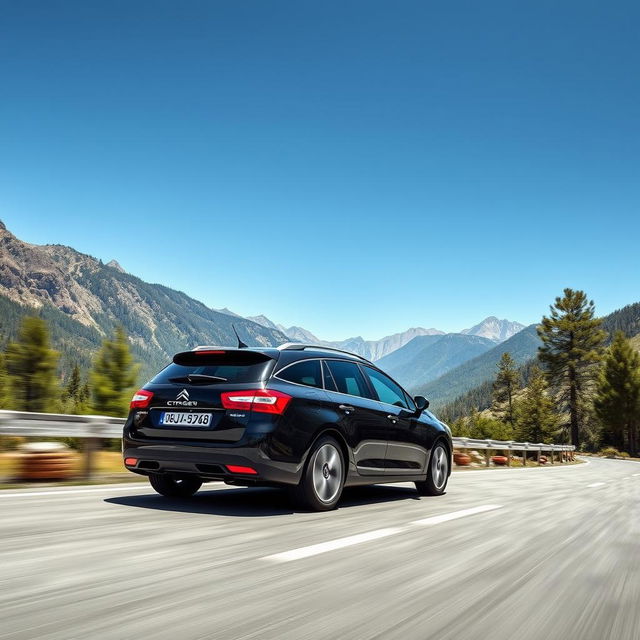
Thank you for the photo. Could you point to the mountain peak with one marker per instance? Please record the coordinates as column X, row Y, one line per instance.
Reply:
column 114, row 264
column 495, row 329
column 3, row 226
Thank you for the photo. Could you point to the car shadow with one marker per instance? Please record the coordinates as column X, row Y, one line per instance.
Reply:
column 258, row 501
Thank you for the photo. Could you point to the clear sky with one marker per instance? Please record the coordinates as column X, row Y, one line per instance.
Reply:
column 352, row 167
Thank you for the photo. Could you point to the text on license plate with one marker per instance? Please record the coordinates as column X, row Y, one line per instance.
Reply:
column 181, row 418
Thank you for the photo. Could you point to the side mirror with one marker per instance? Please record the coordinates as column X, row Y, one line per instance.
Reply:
column 421, row 404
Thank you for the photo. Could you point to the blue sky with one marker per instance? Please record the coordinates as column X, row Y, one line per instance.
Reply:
column 352, row 167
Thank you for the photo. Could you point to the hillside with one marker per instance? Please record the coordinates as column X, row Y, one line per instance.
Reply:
column 84, row 300
column 522, row 346
column 427, row 357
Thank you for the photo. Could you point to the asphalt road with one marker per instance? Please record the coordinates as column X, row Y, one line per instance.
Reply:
column 535, row 553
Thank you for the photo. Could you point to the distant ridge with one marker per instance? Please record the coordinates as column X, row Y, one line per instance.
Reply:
column 522, row 346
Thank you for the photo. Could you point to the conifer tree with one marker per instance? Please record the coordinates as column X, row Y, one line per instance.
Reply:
column 536, row 419
column 31, row 364
column 617, row 401
column 504, row 388
column 572, row 342
column 75, row 396
column 113, row 377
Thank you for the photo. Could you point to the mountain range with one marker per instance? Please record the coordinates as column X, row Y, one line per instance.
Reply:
column 491, row 328
column 84, row 299
column 426, row 358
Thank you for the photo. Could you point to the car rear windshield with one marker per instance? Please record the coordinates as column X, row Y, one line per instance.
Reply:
column 230, row 368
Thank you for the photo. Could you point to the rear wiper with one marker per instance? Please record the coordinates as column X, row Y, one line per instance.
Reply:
column 198, row 377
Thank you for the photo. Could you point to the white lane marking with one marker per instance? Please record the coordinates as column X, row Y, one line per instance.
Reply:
column 66, row 492
column 595, row 484
column 635, row 474
column 332, row 545
column 341, row 543
column 454, row 515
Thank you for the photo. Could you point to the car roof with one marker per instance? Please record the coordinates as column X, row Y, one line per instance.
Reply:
column 295, row 351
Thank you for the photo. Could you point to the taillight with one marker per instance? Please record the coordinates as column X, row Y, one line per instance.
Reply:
column 234, row 468
column 141, row 399
column 260, row 400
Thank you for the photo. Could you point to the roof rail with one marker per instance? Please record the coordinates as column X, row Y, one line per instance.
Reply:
column 299, row 346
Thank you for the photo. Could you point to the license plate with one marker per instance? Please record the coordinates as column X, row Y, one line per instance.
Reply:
column 182, row 419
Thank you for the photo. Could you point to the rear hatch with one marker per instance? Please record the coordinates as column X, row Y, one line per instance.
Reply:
column 187, row 395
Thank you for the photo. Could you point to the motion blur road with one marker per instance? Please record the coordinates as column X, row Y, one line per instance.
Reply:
column 523, row 553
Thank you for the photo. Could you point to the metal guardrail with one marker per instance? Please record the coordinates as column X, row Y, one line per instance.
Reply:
column 90, row 428
column 93, row 428
column 59, row 425
column 565, row 451
column 471, row 443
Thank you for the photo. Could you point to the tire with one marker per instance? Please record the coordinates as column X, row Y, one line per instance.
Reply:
column 173, row 486
column 323, row 477
column 437, row 472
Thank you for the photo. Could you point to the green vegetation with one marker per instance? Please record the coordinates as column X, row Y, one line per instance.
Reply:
column 617, row 401
column 572, row 342
column 504, row 388
column 535, row 415
column 113, row 377
column 31, row 378
column 31, row 365
column 574, row 385
column 75, row 398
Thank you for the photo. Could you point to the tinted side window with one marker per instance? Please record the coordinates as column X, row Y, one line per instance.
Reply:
column 349, row 378
column 386, row 389
column 306, row 372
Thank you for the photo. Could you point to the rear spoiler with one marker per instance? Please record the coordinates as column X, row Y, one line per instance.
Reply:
column 233, row 357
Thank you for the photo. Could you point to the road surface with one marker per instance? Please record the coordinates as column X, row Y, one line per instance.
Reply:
column 522, row 553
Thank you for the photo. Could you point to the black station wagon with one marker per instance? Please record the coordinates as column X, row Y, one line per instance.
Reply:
column 310, row 418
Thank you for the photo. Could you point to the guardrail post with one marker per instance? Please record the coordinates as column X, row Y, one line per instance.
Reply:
column 509, row 453
column 539, row 456
column 90, row 446
column 487, row 457
column 551, row 455
column 524, row 454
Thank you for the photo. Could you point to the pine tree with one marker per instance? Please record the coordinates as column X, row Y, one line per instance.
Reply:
column 572, row 342
column 74, row 396
column 31, row 364
column 536, row 419
column 504, row 388
column 617, row 401
column 113, row 377
column 72, row 387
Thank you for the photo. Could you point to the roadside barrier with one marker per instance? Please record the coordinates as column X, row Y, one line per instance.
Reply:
column 94, row 428
column 564, row 452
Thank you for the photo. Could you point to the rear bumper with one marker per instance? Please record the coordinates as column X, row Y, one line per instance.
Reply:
column 210, row 463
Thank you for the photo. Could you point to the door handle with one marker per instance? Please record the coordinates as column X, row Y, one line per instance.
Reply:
column 347, row 408
column 393, row 418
